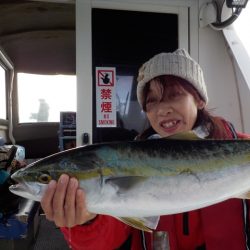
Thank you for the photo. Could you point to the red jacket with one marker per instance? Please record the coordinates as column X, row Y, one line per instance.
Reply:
column 217, row 227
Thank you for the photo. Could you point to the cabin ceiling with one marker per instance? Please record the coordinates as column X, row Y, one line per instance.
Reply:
column 39, row 36
column 38, row 33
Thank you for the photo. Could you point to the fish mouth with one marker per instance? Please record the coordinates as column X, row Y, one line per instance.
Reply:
column 16, row 176
column 16, row 188
column 24, row 190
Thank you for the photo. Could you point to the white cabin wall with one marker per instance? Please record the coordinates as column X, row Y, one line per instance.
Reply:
column 244, row 93
column 83, row 69
column 219, row 76
column 214, row 57
column 241, row 63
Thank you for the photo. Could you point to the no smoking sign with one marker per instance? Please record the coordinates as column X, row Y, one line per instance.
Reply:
column 105, row 77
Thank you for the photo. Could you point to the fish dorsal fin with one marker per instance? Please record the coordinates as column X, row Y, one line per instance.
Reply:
column 190, row 135
column 145, row 223
column 245, row 195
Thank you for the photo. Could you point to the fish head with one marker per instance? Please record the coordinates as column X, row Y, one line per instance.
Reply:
column 32, row 181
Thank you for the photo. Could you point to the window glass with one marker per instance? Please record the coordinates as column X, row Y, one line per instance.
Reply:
column 41, row 98
column 2, row 94
column 129, row 114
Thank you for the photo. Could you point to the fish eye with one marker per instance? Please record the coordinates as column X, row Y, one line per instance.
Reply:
column 44, row 178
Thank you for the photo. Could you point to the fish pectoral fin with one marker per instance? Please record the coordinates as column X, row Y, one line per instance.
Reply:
column 125, row 182
column 245, row 195
column 190, row 135
column 145, row 224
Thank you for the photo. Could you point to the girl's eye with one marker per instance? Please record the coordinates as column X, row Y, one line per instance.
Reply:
column 44, row 178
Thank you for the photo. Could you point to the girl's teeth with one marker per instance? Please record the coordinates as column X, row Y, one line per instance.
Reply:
column 169, row 124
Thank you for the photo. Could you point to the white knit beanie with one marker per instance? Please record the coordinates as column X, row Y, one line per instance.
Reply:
column 178, row 63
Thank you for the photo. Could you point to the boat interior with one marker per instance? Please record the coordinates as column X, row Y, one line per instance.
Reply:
column 53, row 54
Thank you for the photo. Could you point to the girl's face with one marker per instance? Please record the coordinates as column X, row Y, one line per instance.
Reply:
column 170, row 107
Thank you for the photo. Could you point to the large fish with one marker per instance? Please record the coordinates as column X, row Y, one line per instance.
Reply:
column 146, row 178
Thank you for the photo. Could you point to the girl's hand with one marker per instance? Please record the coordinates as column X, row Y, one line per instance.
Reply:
column 64, row 203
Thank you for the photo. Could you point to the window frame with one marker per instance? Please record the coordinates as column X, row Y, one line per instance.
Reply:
column 187, row 12
column 7, row 65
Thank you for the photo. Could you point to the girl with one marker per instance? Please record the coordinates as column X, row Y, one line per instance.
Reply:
column 172, row 92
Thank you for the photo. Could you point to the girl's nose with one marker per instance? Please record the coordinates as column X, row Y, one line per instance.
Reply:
column 164, row 109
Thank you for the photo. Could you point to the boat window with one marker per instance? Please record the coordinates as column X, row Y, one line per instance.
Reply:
column 3, row 113
column 241, row 26
column 41, row 98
